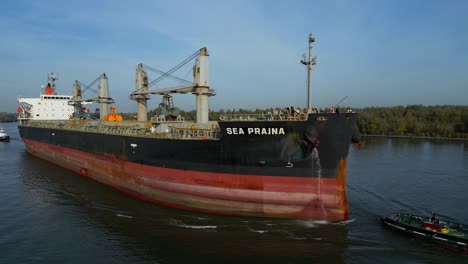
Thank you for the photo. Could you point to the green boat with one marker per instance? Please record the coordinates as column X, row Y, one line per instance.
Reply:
column 447, row 234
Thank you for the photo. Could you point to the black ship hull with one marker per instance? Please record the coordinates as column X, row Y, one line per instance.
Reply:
column 291, row 169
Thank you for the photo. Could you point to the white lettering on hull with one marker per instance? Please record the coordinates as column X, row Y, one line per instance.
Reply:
column 255, row 131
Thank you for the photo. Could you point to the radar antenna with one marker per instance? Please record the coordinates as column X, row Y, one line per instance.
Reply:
column 51, row 77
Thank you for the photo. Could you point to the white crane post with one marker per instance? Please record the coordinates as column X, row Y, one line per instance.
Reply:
column 76, row 91
column 141, row 85
column 202, row 85
column 103, row 89
column 77, row 96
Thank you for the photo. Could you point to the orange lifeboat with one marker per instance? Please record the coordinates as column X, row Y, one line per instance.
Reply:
column 113, row 117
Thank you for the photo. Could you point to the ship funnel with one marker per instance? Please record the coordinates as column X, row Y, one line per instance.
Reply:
column 103, row 89
column 202, row 85
column 141, row 85
column 49, row 90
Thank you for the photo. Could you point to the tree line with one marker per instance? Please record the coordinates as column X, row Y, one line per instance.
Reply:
column 8, row 117
column 415, row 120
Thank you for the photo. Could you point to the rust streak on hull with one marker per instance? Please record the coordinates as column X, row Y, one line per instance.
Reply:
column 219, row 193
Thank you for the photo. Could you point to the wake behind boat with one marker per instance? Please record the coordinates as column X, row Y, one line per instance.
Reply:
column 450, row 235
column 3, row 135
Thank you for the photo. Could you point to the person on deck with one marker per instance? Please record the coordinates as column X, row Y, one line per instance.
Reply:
column 433, row 217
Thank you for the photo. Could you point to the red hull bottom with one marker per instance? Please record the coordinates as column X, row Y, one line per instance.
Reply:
column 217, row 193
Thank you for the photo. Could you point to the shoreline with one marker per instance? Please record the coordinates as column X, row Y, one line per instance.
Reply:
column 417, row 137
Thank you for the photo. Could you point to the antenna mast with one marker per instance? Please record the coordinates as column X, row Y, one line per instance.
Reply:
column 309, row 62
column 52, row 78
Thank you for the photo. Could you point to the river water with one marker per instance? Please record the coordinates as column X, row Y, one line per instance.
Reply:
column 51, row 215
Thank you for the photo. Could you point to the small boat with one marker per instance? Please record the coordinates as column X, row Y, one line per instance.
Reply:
column 3, row 135
column 449, row 235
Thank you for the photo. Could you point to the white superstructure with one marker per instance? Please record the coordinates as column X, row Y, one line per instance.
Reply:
column 49, row 105
column 46, row 107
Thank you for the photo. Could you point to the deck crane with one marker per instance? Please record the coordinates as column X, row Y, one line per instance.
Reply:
column 200, row 87
column 103, row 95
column 339, row 103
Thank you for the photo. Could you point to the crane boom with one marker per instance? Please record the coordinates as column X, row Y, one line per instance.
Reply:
column 200, row 87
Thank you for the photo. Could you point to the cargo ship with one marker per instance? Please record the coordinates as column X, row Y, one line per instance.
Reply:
column 285, row 163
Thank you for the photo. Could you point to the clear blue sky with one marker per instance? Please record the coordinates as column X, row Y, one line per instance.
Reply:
column 378, row 53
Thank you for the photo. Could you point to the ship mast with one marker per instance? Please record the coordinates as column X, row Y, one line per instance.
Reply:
column 309, row 62
column 52, row 78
